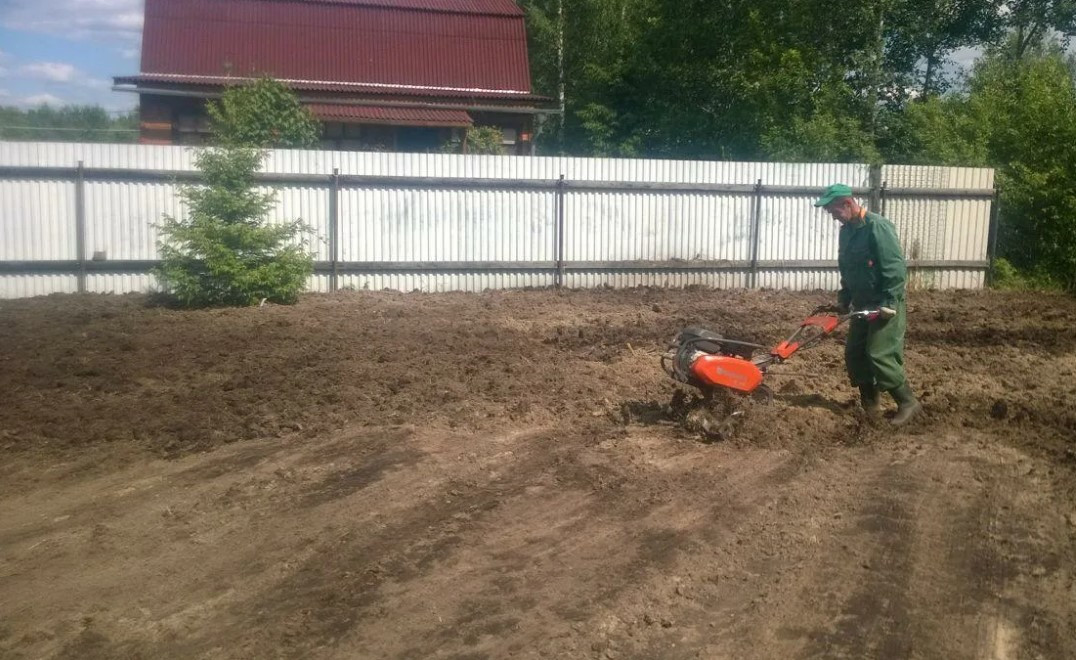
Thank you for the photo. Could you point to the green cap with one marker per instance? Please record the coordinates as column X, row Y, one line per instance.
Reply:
column 836, row 191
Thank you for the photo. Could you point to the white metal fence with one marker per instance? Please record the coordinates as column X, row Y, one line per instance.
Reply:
column 80, row 217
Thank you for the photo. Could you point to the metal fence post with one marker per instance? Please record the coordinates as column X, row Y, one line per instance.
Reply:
column 881, row 196
column 874, row 201
column 334, row 228
column 80, row 225
column 992, row 235
column 756, row 218
column 559, row 249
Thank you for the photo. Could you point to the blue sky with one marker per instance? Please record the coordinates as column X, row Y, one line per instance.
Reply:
column 66, row 51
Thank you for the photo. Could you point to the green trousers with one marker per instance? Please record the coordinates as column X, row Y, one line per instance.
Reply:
column 874, row 352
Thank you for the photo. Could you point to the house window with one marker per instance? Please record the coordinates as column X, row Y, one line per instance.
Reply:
column 358, row 137
column 191, row 128
column 418, row 139
column 384, row 137
column 378, row 138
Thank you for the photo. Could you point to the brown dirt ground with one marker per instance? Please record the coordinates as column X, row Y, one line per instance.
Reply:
column 385, row 475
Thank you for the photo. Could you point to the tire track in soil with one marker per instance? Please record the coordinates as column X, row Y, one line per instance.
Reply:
column 512, row 590
column 876, row 620
column 338, row 586
column 894, row 562
column 631, row 543
column 742, row 570
column 937, row 584
column 571, row 495
column 1021, row 562
column 191, row 511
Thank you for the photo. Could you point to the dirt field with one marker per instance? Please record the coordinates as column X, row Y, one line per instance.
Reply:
column 391, row 475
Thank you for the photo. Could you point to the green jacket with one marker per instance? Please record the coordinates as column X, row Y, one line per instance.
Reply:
column 872, row 266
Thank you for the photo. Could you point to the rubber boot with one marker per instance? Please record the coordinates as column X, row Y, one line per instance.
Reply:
column 907, row 405
column 868, row 397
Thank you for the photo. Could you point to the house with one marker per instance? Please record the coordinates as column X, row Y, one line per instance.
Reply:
column 392, row 75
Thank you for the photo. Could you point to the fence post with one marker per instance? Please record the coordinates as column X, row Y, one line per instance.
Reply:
column 992, row 235
column 80, row 225
column 334, row 228
column 756, row 218
column 559, row 249
column 881, row 196
column 874, row 201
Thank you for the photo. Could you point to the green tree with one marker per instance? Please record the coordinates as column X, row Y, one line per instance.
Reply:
column 226, row 252
column 585, row 49
column 927, row 31
column 70, row 123
column 749, row 79
column 693, row 78
column 943, row 130
column 264, row 113
column 1033, row 23
column 480, row 140
column 830, row 133
column 1018, row 116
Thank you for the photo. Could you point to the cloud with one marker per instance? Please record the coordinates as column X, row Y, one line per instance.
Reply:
column 50, row 71
column 39, row 99
column 61, row 73
column 79, row 19
column 61, row 83
column 965, row 57
column 130, row 53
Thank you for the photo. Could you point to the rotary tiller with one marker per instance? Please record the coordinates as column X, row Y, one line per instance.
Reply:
column 719, row 366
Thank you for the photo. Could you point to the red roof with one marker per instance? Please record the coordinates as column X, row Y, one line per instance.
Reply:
column 407, row 46
column 376, row 114
column 489, row 7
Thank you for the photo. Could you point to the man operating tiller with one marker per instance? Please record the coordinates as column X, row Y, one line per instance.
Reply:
column 871, row 300
column 873, row 276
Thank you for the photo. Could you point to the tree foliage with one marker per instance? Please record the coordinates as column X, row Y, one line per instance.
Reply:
column 1018, row 116
column 264, row 113
column 72, row 123
column 226, row 252
column 747, row 79
column 1033, row 21
column 1027, row 110
column 487, row 140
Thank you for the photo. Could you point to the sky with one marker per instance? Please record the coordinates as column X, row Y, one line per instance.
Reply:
column 66, row 51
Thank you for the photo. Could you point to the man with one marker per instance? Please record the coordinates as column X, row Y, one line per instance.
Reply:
column 873, row 275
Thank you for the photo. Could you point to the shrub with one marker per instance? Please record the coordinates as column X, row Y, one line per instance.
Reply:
column 226, row 252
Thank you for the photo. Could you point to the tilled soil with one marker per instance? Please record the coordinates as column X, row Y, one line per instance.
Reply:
column 385, row 475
